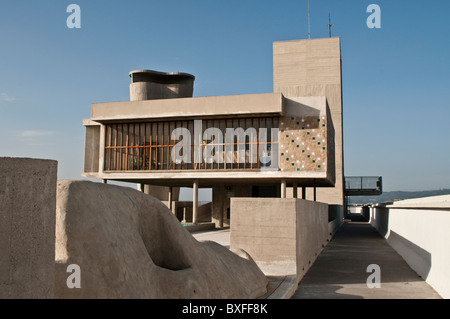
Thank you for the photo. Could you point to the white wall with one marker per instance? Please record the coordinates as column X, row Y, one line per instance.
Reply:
column 419, row 230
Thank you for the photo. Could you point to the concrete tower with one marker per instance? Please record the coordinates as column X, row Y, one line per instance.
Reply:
column 313, row 68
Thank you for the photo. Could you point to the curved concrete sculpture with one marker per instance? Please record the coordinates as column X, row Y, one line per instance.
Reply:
column 129, row 245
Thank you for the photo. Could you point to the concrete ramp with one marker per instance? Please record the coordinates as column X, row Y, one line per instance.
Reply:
column 130, row 245
column 340, row 271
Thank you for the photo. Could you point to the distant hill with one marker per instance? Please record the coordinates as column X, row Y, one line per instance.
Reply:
column 395, row 196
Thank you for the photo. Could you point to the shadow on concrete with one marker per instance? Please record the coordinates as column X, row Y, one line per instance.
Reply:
column 323, row 292
column 414, row 255
column 380, row 220
column 344, row 261
column 354, row 247
column 357, row 218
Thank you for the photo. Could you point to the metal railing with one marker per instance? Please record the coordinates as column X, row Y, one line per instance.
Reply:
column 363, row 185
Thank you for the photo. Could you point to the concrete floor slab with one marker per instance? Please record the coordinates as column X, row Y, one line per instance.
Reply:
column 220, row 236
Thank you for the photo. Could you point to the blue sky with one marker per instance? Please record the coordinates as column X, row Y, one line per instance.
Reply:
column 396, row 82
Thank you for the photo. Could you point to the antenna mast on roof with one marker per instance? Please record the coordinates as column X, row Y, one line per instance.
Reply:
column 329, row 24
column 309, row 22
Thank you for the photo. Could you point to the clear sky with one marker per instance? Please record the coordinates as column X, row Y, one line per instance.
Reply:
column 396, row 79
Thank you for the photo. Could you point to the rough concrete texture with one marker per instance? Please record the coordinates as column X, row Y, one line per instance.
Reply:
column 304, row 68
column 151, row 85
column 27, row 227
column 284, row 236
column 129, row 245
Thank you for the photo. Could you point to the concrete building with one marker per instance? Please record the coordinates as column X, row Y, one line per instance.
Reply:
column 256, row 145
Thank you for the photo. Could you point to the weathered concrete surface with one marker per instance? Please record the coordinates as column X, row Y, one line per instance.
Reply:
column 27, row 227
column 340, row 272
column 279, row 287
column 129, row 245
column 268, row 103
column 313, row 67
column 150, row 85
column 283, row 236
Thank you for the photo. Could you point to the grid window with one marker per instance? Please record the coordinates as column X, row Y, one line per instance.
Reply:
column 220, row 144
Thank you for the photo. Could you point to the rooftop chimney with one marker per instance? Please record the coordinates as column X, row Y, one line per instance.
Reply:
column 153, row 85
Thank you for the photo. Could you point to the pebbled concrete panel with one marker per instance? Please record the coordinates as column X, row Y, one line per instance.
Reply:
column 27, row 227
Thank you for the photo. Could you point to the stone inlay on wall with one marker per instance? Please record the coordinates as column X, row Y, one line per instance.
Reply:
column 303, row 143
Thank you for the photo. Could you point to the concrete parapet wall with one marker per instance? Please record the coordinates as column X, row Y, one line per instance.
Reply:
column 27, row 227
column 312, row 233
column 418, row 230
column 335, row 218
column 283, row 236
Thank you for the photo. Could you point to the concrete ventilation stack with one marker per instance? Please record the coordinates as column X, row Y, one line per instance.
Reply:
column 154, row 85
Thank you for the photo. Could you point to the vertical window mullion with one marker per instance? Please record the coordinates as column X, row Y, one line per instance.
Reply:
column 144, row 153
column 150, row 160
column 251, row 145
column 121, row 147
column 116, row 151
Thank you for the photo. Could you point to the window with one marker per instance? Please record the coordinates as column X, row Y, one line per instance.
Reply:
column 208, row 144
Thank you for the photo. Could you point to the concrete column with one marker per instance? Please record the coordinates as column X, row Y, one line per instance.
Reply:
column 105, row 181
column 294, row 190
column 27, row 228
column 101, row 146
column 184, row 215
column 283, row 188
column 195, row 203
column 162, row 192
column 170, row 198
column 218, row 202
column 315, row 190
column 142, row 187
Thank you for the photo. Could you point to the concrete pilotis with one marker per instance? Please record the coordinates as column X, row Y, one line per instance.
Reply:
column 170, row 198
column 283, row 188
column 219, row 197
column 315, row 190
column 195, row 203
column 184, row 215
